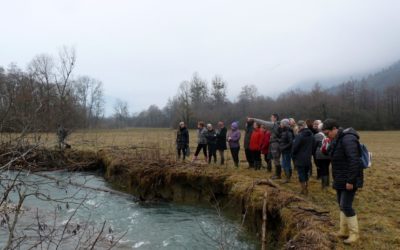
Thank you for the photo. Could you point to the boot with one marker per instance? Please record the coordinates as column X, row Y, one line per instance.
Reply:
column 258, row 165
column 324, row 181
column 269, row 166
column 278, row 170
column 304, row 188
column 287, row 175
column 352, row 223
column 344, row 230
column 194, row 159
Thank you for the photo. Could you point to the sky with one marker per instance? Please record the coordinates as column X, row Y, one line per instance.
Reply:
column 142, row 50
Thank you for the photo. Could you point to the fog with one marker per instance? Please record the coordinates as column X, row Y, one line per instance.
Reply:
column 142, row 50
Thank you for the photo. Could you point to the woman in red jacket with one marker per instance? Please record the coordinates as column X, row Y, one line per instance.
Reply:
column 265, row 148
column 256, row 141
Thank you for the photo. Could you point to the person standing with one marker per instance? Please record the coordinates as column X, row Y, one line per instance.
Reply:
column 256, row 141
column 265, row 148
column 201, row 141
column 234, row 142
column 274, row 127
column 302, row 152
column 221, row 141
column 182, row 141
column 347, row 173
column 285, row 146
column 211, row 136
column 321, row 160
column 247, row 136
column 293, row 126
column 316, row 131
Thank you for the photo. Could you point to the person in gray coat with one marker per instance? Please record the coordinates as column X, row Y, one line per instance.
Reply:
column 201, row 141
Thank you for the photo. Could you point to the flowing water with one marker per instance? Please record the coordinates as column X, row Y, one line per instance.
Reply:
column 80, row 211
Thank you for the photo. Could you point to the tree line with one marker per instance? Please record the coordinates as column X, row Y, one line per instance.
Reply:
column 353, row 103
column 47, row 94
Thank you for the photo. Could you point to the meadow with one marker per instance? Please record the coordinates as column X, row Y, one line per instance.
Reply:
column 377, row 204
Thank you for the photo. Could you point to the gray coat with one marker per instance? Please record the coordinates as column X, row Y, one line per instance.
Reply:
column 274, row 127
column 201, row 136
column 318, row 139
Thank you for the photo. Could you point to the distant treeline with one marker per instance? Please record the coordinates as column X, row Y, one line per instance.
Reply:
column 47, row 94
column 356, row 103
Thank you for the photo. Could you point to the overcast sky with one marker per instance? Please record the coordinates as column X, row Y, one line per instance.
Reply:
column 142, row 50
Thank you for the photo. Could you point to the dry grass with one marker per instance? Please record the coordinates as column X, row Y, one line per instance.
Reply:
column 377, row 204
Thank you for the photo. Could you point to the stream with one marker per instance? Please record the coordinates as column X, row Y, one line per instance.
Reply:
column 77, row 214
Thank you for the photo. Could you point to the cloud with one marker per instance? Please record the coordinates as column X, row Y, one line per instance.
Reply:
column 142, row 50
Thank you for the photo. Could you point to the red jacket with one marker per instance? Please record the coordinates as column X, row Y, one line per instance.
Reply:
column 256, row 140
column 265, row 143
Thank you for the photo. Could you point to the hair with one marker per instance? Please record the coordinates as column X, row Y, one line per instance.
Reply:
column 201, row 124
column 276, row 116
column 329, row 124
column 310, row 124
column 258, row 125
column 302, row 124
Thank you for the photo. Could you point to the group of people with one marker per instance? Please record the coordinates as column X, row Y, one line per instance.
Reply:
column 285, row 143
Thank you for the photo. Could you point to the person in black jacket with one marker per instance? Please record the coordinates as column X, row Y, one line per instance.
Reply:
column 302, row 152
column 247, row 136
column 211, row 136
column 347, row 175
column 285, row 146
column 221, row 141
column 182, row 141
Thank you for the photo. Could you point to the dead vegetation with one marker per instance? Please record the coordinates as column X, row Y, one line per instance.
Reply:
column 376, row 203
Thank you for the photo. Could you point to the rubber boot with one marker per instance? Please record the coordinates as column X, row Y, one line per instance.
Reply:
column 278, row 171
column 343, row 230
column 352, row 223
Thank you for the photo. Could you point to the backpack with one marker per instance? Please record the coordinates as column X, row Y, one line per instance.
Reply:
column 365, row 156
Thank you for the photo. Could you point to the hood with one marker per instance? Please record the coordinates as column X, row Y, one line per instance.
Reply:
column 234, row 126
column 306, row 132
column 349, row 131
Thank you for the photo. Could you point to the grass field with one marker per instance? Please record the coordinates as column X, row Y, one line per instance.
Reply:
column 377, row 204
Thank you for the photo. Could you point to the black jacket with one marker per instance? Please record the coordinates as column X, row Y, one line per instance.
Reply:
column 182, row 137
column 286, row 141
column 346, row 162
column 303, row 147
column 221, row 139
column 247, row 136
column 211, row 136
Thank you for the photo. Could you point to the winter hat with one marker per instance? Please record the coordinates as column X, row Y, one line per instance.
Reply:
column 235, row 125
column 285, row 122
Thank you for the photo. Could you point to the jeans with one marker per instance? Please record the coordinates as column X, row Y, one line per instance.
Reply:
column 286, row 161
column 345, row 199
column 303, row 172
column 235, row 155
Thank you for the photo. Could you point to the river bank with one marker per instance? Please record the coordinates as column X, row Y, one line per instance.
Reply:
column 291, row 221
